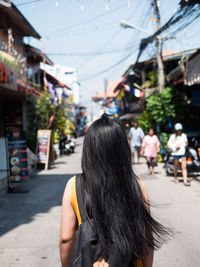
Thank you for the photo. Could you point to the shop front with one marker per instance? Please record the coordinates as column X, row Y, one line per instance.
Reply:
column 12, row 113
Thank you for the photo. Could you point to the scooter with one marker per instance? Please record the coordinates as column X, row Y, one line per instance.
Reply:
column 72, row 144
column 67, row 146
column 193, row 162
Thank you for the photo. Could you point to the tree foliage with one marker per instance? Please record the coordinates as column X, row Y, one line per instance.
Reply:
column 39, row 112
column 43, row 110
column 161, row 106
column 146, row 121
column 161, row 109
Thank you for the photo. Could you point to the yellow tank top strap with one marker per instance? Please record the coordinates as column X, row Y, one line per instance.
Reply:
column 139, row 263
column 74, row 200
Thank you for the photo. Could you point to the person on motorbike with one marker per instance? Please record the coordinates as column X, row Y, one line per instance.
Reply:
column 177, row 144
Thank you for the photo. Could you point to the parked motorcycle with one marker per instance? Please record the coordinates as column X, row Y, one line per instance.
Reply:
column 70, row 144
column 67, row 147
column 193, row 162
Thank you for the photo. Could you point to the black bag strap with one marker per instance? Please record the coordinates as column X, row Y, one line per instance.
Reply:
column 79, row 195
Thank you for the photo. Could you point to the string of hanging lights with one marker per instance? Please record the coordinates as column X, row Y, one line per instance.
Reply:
column 107, row 7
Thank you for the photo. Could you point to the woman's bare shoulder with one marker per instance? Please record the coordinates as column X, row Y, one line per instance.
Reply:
column 68, row 189
column 144, row 190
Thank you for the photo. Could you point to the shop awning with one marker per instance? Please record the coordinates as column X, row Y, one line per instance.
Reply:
column 109, row 93
column 36, row 55
column 24, row 88
column 15, row 17
column 175, row 73
column 61, row 84
column 193, row 69
column 129, row 116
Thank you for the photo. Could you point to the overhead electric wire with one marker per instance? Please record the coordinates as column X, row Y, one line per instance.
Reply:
column 86, row 21
column 116, row 64
column 82, row 30
column 108, row 42
column 90, row 53
column 107, row 69
column 185, row 15
column 29, row 2
column 135, row 34
column 144, row 23
column 104, row 45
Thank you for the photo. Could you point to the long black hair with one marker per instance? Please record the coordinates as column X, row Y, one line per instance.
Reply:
column 113, row 194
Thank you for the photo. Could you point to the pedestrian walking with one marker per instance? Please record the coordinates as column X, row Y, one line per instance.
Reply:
column 106, row 218
column 136, row 135
column 150, row 148
column 177, row 144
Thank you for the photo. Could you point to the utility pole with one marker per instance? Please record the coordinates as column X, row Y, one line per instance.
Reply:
column 161, row 76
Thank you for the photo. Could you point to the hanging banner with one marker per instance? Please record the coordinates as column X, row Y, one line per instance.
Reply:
column 136, row 92
column 17, row 155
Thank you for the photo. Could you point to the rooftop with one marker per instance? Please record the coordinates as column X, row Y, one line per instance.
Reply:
column 15, row 18
column 109, row 93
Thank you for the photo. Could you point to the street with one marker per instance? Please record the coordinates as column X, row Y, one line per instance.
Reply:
column 29, row 222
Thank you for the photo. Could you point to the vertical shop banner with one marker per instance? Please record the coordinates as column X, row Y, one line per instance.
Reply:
column 17, row 155
column 43, row 146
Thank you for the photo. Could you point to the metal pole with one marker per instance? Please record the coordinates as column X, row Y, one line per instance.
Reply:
column 161, row 76
column 126, row 25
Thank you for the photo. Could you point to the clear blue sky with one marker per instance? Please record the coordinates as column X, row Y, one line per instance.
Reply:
column 92, row 40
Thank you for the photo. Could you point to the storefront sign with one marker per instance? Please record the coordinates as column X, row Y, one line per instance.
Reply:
column 113, row 110
column 43, row 146
column 17, row 156
column 6, row 74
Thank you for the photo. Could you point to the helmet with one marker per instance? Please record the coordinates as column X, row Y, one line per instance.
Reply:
column 178, row 126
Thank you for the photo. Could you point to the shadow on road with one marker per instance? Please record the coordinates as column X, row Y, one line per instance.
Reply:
column 46, row 192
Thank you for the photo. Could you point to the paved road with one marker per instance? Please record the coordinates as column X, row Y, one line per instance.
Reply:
column 29, row 222
column 177, row 207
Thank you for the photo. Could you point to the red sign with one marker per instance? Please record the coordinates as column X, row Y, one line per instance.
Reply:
column 3, row 73
column 6, row 75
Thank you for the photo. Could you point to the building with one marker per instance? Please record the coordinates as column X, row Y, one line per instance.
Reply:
column 186, row 78
column 107, row 100
column 142, row 77
column 20, row 76
column 13, row 28
column 66, row 75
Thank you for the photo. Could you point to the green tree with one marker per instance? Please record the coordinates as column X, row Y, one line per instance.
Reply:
column 39, row 112
column 146, row 121
column 43, row 110
column 161, row 106
column 160, row 109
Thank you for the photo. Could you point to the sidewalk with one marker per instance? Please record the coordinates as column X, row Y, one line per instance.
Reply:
column 141, row 170
column 30, row 222
column 177, row 207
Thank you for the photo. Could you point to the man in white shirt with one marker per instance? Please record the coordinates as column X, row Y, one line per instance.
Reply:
column 136, row 136
column 177, row 144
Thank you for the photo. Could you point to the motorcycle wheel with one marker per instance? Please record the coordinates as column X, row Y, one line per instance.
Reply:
column 169, row 172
